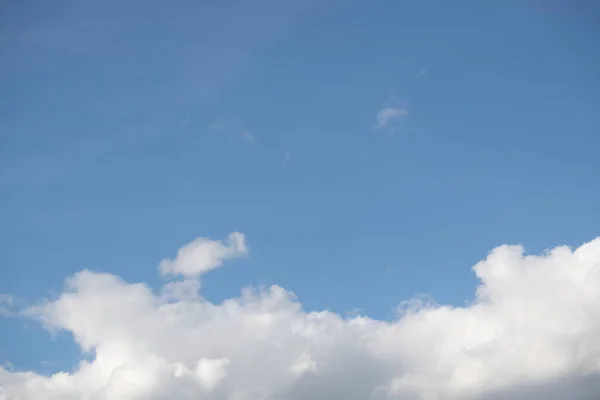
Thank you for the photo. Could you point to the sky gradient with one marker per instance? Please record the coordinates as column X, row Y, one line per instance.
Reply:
column 366, row 152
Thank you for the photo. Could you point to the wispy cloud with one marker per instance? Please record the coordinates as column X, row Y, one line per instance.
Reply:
column 6, row 304
column 247, row 135
column 389, row 115
column 185, row 123
column 232, row 127
column 422, row 72
column 217, row 127
column 212, row 43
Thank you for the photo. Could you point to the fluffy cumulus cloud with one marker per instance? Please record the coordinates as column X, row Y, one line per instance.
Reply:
column 532, row 331
column 204, row 254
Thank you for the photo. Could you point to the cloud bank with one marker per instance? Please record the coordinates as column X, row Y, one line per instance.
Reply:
column 532, row 331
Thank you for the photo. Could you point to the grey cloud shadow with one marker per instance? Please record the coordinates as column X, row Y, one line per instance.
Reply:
column 569, row 388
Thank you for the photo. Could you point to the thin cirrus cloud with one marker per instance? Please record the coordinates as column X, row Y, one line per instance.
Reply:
column 6, row 304
column 233, row 128
column 387, row 117
column 531, row 332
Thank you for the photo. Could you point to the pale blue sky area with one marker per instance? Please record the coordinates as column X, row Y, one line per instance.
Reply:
column 370, row 151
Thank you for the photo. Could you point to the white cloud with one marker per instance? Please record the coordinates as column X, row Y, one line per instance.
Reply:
column 232, row 127
column 532, row 332
column 389, row 114
column 422, row 72
column 203, row 254
column 6, row 304
column 217, row 127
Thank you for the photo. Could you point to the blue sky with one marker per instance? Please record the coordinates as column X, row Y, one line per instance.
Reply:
column 127, row 129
